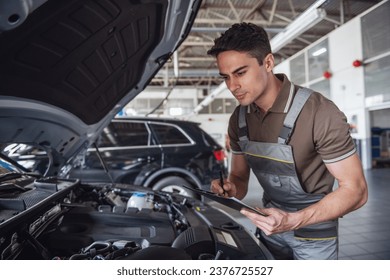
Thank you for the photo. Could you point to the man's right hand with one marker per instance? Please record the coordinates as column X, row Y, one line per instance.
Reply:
column 227, row 190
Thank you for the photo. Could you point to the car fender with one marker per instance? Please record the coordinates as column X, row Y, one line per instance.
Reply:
column 171, row 170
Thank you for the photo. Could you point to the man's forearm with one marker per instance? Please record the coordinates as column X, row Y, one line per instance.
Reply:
column 241, row 185
column 334, row 205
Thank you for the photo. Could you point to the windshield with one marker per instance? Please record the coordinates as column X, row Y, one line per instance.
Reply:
column 25, row 158
column 7, row 167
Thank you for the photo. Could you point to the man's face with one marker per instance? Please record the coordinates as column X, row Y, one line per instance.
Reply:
column 244, row 77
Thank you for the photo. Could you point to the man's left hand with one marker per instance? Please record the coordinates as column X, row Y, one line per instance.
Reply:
column 277, row 220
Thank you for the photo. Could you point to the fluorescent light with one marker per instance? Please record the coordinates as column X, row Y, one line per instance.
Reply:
column 305, row 21
column 319, row 52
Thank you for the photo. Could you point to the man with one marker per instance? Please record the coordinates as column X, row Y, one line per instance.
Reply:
column 296, row 142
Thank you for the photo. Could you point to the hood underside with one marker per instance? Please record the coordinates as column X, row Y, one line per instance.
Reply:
column 70, row 67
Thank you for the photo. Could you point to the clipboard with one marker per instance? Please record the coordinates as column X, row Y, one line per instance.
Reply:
column 230, row 202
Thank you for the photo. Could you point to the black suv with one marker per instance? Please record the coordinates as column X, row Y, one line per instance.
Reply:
column 162, row 154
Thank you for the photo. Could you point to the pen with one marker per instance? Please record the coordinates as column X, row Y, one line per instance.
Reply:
column 221, row 181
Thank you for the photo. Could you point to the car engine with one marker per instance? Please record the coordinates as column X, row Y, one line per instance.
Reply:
column 66, row 220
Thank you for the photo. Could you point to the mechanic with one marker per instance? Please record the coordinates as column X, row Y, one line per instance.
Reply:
column 296, row 141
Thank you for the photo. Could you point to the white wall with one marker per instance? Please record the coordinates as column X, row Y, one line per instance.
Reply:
column 214, row 124
column 283, row 67
column 347, row 81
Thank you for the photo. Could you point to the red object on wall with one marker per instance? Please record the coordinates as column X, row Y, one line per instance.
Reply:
column 357, row 63
column 327, row 75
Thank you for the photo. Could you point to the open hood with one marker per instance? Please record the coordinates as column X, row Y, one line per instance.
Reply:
column 67, row 67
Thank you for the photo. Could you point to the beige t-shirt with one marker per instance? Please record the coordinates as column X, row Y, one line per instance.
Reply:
column 321, row 135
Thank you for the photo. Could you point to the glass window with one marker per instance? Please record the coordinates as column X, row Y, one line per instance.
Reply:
column 322, row 87
column 297, row 70
column 168, row 134
column 205, row 109
column 318, row 60
column 230, row 105
column 217, row 106
column 155, row 104
column 119, row 134
column 376, row 31
column 377, row 82
column 33, row 158
column 178, row 107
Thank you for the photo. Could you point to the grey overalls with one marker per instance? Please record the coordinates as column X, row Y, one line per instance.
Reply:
column 274, row 166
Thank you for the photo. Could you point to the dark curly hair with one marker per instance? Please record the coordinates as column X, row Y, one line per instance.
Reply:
column 243, row 37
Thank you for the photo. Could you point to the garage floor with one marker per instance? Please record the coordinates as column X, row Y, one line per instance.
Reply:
column 364, row 233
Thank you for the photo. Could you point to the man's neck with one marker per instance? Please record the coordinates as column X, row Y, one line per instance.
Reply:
column 270, row 94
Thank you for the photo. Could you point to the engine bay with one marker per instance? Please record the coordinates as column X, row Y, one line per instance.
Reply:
column 66, row 220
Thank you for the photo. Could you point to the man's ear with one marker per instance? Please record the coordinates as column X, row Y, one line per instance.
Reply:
column 269, row 62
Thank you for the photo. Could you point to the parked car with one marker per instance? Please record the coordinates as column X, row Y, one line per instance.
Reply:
column 158, row 153
column 162, row 154
column 67, row 67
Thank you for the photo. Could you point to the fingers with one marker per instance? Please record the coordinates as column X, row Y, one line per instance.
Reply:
column 252, row 215
column 266, row 224
column 216, row 187
column 227, row 190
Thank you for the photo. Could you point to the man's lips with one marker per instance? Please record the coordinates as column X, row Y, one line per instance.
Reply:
column 239, row 95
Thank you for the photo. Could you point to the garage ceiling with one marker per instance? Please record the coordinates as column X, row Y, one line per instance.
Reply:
column 193, row 67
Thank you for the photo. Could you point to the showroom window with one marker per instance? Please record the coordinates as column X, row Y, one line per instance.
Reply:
column 230, row 105
column 179, row 107
column 376, row 52
column 377, row 82
column 308, row 68
column 205, row 109
column 298, row 70
column 322, row 87
column 219, row 106
column 318, row 60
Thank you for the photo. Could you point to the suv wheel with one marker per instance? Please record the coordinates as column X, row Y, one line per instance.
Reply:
column 174, row 184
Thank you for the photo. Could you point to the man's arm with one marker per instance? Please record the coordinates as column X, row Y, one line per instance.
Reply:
column 237, row 183
column 350, row 195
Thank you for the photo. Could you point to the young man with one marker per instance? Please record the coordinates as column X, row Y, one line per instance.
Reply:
column 296, row 142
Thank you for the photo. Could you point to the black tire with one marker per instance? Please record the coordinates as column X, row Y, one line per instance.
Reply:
column 174, row 184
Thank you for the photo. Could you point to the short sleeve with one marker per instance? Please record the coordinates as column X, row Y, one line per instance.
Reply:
column 332, row 137
column 233, row 132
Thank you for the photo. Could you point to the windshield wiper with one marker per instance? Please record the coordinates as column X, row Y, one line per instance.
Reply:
column 17, row 175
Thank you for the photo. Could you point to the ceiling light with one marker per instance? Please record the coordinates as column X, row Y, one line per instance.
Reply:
column 319, row 52
column 305, row 21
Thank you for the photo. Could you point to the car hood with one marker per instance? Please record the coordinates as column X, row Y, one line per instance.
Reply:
column 67, row 67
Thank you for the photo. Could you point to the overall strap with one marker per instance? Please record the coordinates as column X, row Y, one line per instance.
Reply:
column 242, row 128
column 299, row 101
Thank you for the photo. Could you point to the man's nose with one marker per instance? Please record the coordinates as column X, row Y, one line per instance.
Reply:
column 233, row 84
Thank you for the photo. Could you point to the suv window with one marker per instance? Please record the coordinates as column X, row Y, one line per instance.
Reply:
column 119, row 134
column 168, row 134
